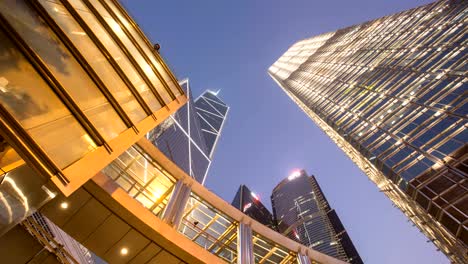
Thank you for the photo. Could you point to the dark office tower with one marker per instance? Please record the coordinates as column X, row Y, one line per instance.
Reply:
column 249, row 203
column 303, row 213
column 212, row 113
column 181, row 138
column 392, row 94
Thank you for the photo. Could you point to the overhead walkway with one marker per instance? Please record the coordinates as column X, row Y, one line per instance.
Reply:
column 142, row 208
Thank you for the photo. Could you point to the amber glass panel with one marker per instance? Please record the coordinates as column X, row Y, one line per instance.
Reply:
column 31, row 101
column 64, row 67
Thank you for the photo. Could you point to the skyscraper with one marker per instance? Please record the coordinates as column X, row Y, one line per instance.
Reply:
column 303, row 213
column 249, row 203
column 391, row 93
column 186, row 137
column 212, row 113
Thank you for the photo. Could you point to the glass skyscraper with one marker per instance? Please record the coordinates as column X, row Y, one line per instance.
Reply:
column 392, row 94
column 249, row 203
column 212, row 113
column 302, row 212
column 188, row 137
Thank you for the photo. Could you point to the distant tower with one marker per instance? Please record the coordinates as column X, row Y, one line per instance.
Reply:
column 249, row 203
column 392, row 94
column 186, row 138
column 212, row 113
column 303, row 213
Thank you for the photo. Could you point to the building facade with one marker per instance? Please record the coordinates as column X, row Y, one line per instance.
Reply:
column 249, row 203
column 303, row 213
column 80, row 88
column 212, row 113
column 186, row 137
column 79, row 84
column 392, row 94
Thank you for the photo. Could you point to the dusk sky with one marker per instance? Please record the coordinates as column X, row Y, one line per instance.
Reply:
column 229, row 45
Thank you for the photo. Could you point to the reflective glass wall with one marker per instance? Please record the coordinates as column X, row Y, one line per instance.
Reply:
column 301, row 210
column 186, row 137
column 392, row 93
column 76, row 73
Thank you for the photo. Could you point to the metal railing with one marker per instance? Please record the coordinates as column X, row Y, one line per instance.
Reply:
column 204, row 218
column 48, row 241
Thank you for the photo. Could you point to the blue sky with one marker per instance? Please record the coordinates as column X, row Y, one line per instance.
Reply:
column 229, row 45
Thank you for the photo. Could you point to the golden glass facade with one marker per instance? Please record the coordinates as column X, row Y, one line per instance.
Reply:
column 79, row 74
column 79, row 85
column 392, row 94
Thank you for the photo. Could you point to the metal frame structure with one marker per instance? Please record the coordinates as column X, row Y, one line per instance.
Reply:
column 68, row 178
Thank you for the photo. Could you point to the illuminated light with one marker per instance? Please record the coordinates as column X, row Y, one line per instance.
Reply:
column 255, row 196
column 91, row 143
column 80, row 33
column 247, row 206
column 439, row 49
column 438, row 113
column 124, row 251
column 365, row 124
column 381, row 117
column 412, row 93
column 405, row 102
column 64, row 205
column 296, row 234
column 389, row 110
column 372, row 158
column 398, row 142
column 360, row 134
column 393, row 122
column 294, row 175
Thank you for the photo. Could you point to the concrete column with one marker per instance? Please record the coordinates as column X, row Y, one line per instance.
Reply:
column 244, row 245
column 175, row 207
column 303, row 259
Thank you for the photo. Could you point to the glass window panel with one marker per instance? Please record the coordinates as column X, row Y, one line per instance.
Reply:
column 118, row 55
column 64, row 67
column 134, row 51
column 96, row 60
column 28, row 98
column 142, row 43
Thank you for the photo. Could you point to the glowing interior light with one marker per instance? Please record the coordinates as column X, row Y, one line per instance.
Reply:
column 247, row 206
column 124, row 251
column 296, row 235
column 438, row 113
column 294, row 175
column 64, row 205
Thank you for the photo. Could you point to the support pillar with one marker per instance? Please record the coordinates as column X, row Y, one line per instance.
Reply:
column 244, row 244
column 303, row 259
column 174, row 210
